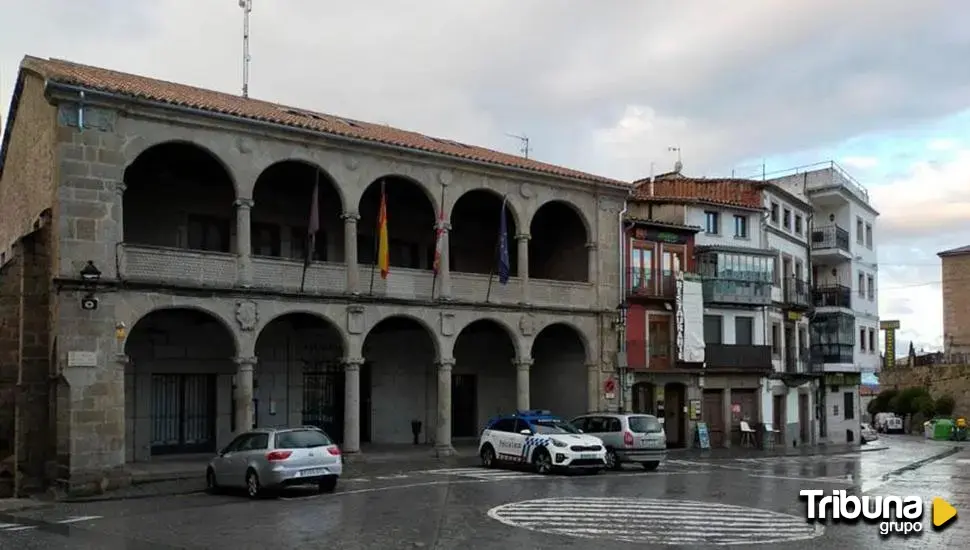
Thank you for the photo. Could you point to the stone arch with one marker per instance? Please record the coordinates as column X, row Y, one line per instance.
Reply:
column 407, row 317
column 282, row 195
column 330, row 323
column 502, row 326
column 134, row 149
column 560, row 233
column 222, row 321
column 559, row 379
column 511, row 205
column 412, row 215
column 429, row 191
column 165, row 177
column 580, row 214
column 562, row 327
column 475, row 218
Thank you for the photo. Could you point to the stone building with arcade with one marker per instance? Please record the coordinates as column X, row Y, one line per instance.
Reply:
column 161, row 232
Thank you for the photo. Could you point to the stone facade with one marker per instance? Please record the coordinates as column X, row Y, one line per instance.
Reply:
column 956, row 303
column 940, row 380
column 98, row 427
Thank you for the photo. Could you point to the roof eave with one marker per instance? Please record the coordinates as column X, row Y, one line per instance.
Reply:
column 11, row 117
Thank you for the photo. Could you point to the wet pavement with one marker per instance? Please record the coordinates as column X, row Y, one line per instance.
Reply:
column 689, row 503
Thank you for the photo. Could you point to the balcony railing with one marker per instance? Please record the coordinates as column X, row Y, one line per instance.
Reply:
column 800, row 361
column 736, row 292
column 832, row 296
column 158, row 264
column 795, row 293
column 830, row 236
column 737, row 357
column 652, row 283
column 834, row 353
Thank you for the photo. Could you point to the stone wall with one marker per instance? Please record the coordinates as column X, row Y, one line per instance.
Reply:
column 956, row 303
column 952, row 380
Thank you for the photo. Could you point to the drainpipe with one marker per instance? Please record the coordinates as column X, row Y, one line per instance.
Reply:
column 621, row 327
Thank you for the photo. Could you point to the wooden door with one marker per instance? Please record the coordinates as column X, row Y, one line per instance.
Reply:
column 748, row 400
column 712, row 412
column 464, row 405
column 778, row 415
column 674, row 414
column 659, row 341
column 804, row 420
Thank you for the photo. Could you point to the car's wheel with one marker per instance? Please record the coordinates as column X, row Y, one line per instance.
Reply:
column 328, row 484
column 211, row 485
column 542, row 461
column 488, row 456
column 612, row 461
column 253, row 488
column 651, row 466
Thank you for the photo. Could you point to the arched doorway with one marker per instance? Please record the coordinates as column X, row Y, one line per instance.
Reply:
column 159, row 186
column 411, row 224
column 401, row 354
column 281, row 213
column 675, row 421
column 178, row 384
column 557, row 249
column 300, row 377
column 559, row 375
column 483, row 382
column 475, row 229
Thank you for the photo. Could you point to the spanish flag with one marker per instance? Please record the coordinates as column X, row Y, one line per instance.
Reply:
column 383, row 256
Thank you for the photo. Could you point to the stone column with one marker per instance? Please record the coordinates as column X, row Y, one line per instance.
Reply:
column 522, row 368
column 120, row 212
column 244, row 393
column 444, row 274
column 352, row 405
column 593, row 387
column 592, row 257
column 442, row 445
column 523, row 244
column 350, row 251
column 244, row 247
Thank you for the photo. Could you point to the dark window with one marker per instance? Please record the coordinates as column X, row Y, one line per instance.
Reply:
column 776, row 339
column 741, row 226
column 504, row 425
column 849, row 405
column 302, row 439
column 774, row 212
column 237, row 443
column 744, row 331
column 645, row 425
column 521, row 425
column 298, row 242
column 798, row 224
column 266, row 239
column 862, row 339
column 552, row 427
column 712, row 221
column 872, row 340
column 256, row 442
column 580, row 423
column 208, row 233
column 613, row 424
column 786, row 219
column 712, row 329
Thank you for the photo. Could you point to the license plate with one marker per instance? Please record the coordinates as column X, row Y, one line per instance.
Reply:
column 587, row 456
column 313, row 472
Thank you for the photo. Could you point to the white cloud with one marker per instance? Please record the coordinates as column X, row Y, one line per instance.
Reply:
column 861, row 163
column 942, row 144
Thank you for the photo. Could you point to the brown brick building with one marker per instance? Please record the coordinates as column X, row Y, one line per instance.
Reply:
column 956, row 300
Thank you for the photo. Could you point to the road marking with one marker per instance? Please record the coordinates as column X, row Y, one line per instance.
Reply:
column 833, row 480
column 395, row 476
column 376, row 489
column 481, row 473
column 77, row 519
column 21, row 528
column 655, row 521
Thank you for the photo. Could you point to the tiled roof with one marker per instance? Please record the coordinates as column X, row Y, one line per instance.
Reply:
column 665, row 225
column 181, row 95
column 955, row 252
column 674, row 187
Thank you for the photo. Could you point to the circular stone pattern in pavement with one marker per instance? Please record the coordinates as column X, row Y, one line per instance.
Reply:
column 655, row 521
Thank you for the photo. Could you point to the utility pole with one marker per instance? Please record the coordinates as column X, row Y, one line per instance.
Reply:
column 525, row 143
column 247, row 7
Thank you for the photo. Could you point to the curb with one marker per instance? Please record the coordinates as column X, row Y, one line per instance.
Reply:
column 818, row 453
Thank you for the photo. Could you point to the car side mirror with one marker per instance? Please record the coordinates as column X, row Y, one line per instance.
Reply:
column 526, row 432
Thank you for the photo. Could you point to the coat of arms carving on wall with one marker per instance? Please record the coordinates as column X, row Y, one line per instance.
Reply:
column 247, row 315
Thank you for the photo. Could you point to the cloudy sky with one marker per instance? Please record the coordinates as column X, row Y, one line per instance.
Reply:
column 604, row 86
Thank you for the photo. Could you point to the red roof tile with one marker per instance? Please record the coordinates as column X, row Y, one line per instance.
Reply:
column 674, row 187
column 141, row 87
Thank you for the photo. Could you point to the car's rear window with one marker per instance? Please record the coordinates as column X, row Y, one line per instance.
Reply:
column 302, row 439
column 645, row 425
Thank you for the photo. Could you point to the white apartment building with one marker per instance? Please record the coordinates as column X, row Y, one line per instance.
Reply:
column 792, row 388
column 845, row 324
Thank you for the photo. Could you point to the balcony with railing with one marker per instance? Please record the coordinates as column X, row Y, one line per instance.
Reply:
column 176, row 266
column 650, row 283
column 834, row 353
column 736, row 292
column 832, row 296
column 795, row 293
column 801, row 361
column 738, row 357
column 830, row 238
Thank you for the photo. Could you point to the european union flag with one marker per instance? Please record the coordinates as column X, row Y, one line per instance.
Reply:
column 504, row 266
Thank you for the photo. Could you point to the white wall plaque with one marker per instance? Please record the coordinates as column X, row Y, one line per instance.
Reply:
column 82, row 359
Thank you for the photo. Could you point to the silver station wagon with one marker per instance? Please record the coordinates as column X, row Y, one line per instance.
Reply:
column 628, row 437
column 266, row 460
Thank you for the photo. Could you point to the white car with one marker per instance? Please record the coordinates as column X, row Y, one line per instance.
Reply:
column 541, row 440
column 868, row 434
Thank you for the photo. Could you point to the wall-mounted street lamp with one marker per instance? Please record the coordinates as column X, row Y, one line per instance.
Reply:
column 90, row 275
column 620, row 320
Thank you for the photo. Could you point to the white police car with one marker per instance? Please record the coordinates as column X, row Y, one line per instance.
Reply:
column 541, row 440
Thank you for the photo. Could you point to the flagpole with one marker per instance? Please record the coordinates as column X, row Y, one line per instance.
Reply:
column 311, row 238
column 498, row 246
column 441, row 210
column 377, row 236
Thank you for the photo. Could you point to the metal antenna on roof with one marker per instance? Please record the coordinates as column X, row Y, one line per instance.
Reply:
column 247, row 6
column 678, row 166
column 525, row 143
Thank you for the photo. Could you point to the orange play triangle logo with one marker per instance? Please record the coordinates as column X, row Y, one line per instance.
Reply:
column 943, row 512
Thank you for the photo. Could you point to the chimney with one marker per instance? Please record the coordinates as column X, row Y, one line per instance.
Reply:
column 652, row 177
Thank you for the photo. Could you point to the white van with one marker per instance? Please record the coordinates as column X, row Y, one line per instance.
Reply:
column 894, row 425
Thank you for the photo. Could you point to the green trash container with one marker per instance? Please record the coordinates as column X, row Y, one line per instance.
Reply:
column 942, row 429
